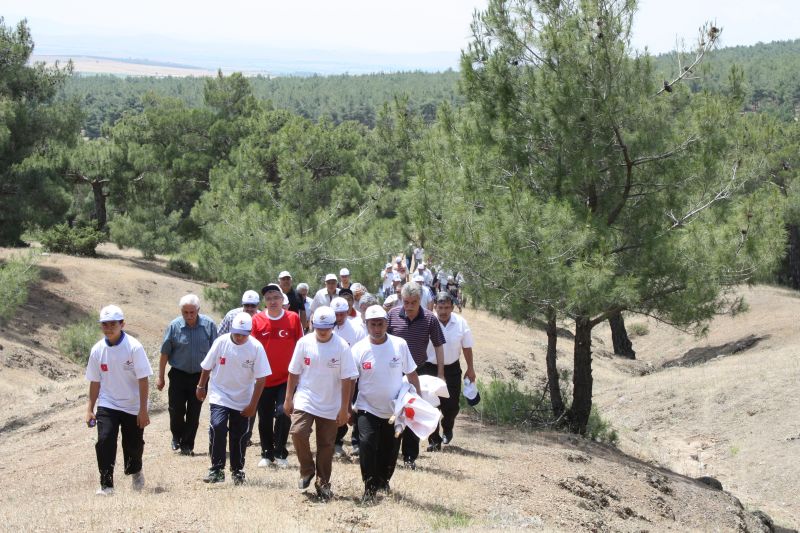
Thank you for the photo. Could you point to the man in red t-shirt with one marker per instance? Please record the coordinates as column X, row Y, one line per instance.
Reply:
column 278, row 330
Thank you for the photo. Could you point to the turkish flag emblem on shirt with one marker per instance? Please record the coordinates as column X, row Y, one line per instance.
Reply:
column 104, row 367
column 367, row 365
column 222, row 360
column 307, row 361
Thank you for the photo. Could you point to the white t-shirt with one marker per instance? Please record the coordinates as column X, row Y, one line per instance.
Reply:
column 322, row 298
column 351, row 331
column 234, row 370
column 457, row 335
column 321, row 366
column 118, row 369
column 381, row 368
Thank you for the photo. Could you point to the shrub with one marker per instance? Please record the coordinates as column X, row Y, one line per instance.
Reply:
column 17, row 274
column 638, row 329
column 149, row 230
column 507, row 403
column 64, row 239
column 182, row 266
column 76, row 340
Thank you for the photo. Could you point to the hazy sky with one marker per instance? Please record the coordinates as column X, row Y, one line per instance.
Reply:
column 369, row 26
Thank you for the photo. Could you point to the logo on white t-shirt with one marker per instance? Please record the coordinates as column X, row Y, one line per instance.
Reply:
column 222, row 360
column 307, row 361
column 395, row 362
column 104, row 367
column 334, row 362
column 248, row 363
column 367, row 365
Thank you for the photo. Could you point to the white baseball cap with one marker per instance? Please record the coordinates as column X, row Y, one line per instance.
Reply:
column 329, row 277
column 421, row 266
column 324, row 318
column 251, row 298
column 417, row 277
column 397, row 277
column 388, row 265
column 284, row 274
column 285, row 299
column 375, row 311
column 111, row 313
column 242, row 324
column 390, row 300
column 339, row 305
column 344, row 272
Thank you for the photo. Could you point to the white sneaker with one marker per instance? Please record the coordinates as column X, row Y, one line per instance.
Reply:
column 137, row 481
column 338, row 451
column 282, row 463
column 105, row 491
column 264, row 462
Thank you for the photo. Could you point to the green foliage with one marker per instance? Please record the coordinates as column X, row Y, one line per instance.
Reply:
column 77, row 240
column 147, row 229
column 76, row 340
column 32, row 131
column 182, row 266
column 17, row 274
column 509, row 403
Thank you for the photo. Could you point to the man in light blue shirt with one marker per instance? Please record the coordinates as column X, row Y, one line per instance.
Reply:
column 186, row 343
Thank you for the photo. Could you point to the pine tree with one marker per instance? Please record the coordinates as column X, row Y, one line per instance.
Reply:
column 577, row 184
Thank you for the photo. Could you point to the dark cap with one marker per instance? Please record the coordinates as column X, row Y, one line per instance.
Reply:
column 271, row 287
column 345, row 291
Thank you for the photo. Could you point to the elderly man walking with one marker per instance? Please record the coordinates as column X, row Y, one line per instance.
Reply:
column 381, row 360
column 118, row 372
column 417, row 326
column 318, row 394
column 185, row 345
column 325, row 295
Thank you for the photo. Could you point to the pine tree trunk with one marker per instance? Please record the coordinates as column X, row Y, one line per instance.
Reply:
column 619, row 336
column 581, row 377
column 793, row 258
column 99, row 206
column 552, row 371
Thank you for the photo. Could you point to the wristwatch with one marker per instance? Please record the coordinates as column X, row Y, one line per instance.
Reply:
column 201, row 388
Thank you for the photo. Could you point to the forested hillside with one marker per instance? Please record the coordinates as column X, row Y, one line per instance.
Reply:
column 360, row 98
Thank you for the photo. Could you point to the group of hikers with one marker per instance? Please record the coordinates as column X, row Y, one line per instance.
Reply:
column 321, row 363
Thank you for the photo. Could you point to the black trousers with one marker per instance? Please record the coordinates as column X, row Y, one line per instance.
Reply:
column 273, row 424
column 227, row 427
column 109, row 422
column 184, row 407
column 342, row 431
column 378, row 450
column 448, row 406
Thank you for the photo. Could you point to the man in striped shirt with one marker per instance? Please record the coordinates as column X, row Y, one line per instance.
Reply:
column 417, row 326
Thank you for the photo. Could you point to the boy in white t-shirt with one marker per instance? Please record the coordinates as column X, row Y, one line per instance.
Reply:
column 117, row 371
column 318, row 393
column 233, row 374
column 382, row 360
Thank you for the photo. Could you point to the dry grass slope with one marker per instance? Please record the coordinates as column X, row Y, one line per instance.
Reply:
column 733, row 418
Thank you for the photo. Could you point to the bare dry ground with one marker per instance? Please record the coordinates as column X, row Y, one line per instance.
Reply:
column 733, row 418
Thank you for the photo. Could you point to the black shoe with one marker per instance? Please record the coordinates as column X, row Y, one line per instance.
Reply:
column 325, row 493
column 214, row 476
column 435, row 447
column 447, row 438
column 411, row 464
column 238, row 477
column 305, row 482
column 187, row 452
column 176, row 445
column 384, row 487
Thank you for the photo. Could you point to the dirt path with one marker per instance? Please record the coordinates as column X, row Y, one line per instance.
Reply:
column 490, row 478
